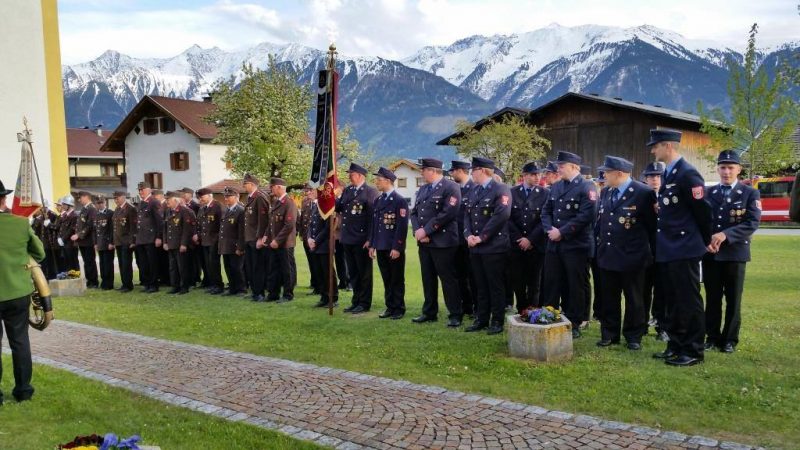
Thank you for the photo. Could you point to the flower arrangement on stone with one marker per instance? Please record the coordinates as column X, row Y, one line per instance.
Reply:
column 71, row 275
column 108, row 442
column 541, row 316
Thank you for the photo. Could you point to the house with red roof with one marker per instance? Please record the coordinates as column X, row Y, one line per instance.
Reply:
column 89, row 168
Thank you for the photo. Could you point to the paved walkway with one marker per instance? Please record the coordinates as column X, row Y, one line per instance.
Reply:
column 332, row 407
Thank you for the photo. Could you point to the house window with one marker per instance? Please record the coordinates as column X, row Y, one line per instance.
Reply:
column 108, row 170
column 167, row 124
column 179, row 161
column 150, row 126
column 155, row 179
column 420, row 181
column 402, row 182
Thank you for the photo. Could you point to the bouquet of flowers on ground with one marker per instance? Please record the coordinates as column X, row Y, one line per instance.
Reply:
column 71, row 275
column 108, row 442
column 541, row 316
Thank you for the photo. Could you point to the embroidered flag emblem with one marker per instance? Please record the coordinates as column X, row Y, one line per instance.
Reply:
column 697, row 192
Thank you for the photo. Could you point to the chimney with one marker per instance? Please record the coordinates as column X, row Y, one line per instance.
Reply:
column 99, row 132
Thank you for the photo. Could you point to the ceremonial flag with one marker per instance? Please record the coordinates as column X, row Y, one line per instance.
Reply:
column 27, row 194
column 323, row 170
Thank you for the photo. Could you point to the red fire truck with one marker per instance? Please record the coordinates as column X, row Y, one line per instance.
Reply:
column 775, row 195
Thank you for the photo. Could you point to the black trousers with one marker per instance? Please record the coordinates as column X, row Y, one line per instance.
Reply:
column 235, row 271
column 341, row 266
column 71, row 259
column 593, row 308
column 293, row 268
column 213, row 270
column 89, row 265
column 314, row 282
column 125, row 265
column 466, row 280
column 654, row 305
column 437, row 264
column 359, row 266
column 566, row 277
column 257, row 266
column 525, row 269
column 508, row 284
column 394, row 280
column 489, row 272
column 723, row 278
column 164, row 276
column 180, row 275
column 199, row 267
column 323, row 267
column 147, row 257
column 14, row 318
column 614, row 285
column 686, row 325
column 106, row 259
column 280, row 275
column 49, row 264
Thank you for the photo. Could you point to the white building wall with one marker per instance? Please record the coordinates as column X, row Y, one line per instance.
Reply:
column 411, row 176
column 150, row 153
column 212, row 167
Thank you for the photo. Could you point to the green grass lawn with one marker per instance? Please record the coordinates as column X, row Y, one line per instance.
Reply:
column 751, row 396
column 66, row 405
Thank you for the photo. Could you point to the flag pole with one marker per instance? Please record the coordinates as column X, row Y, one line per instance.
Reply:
column 26, row 136
column 331, row 236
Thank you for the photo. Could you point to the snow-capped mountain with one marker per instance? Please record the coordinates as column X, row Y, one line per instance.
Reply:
column 400, row 108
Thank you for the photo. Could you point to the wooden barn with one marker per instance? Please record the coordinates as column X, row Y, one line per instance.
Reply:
column 594, row 126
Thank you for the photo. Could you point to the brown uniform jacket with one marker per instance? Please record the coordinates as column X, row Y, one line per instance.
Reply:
column 231, row 230
column 103, row 229
column 67, row 226
column 179, row 227
column 124, row 219
column 304, row 218
column 283, row 222
column 208, row 224
column 149, row 221
column 85, row 229
column 256, row 217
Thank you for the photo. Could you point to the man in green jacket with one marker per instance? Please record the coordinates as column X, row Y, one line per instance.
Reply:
column 18, row 243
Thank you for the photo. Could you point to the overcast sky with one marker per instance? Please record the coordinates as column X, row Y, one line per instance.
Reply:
column 391, row 28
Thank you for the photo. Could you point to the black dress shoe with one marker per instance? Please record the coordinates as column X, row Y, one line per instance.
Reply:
column 173, row 291
column 606, row 343
column 477, row 326
column 494, row 329
column 454, row 323
column 634, row 346
column 423, row 318
column 314, row 292
column 397, row 316
column 385, row 315
column 666, row 354
column 183, row 292
column 216, row 291
column 258, row 298
column 285, row 299
column 576, row 333
column 273, row 298
column 350, row 308
column 708, row 345
column 662, row 336
column 124, row 290
column 358, row 310
column 683, row 361
column 229, row 294
column 728, row 348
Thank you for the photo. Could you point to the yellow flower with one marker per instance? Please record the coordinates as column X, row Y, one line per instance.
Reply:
column 86, row 447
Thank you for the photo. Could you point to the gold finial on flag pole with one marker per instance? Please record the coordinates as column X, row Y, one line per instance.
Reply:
column 332, row 56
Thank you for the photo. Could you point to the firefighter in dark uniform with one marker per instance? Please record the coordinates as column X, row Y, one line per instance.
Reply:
column 283, row 237
column 354, row 208
column 319, row 242
column 84, row 239
column 149, row 231
column 197, row 259
column 568, row 217
column 179, row 227
column 682, row 234
column 625, row 228
column 486, row 231
column 163, row 254
column 736, row 213
column 459, row 170
column 527, row 237
column 207, row 238
column 123, row 234
column 231, row 241
column 550, row 175
column 435, row 225
column 256, row 222
column 654, row 304
column 67, row 226
column 388, row 244
column 55, row 257
column 104, row 242
column 303, row 221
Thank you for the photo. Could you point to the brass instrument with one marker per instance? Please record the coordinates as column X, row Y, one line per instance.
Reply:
column 41, row 304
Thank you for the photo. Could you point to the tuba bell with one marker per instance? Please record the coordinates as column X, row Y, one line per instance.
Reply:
column 41, row 304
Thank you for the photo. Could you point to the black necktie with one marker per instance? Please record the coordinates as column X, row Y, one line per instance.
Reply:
column 726, row 191
column 527, row 192
column 614, row 195
column 383, row 196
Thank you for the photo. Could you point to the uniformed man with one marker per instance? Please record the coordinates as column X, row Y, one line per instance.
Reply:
column 527, row 238
column 508, row 282
column 256, row 222
column 433, row 219
column 354, row 209
column 104, row 242
column 19, row 244
column 567, row 218
column 682, row 234
column 40, row 225
column 197, row 258
column 318, row 242
column 550, row 175
column 67, row 227
column 163, row 254
column 459, row 170
column 124, row 230
column 55, row 258
column 179, row 226
column 486, row 231
column 231, row 241
column 207, row 238
column 84, row 238
column 149, row 231
column 654, row 303
column 388, row 244
column 736, row 213
column 282, row 237
column 625, row 228
column 303, row 221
